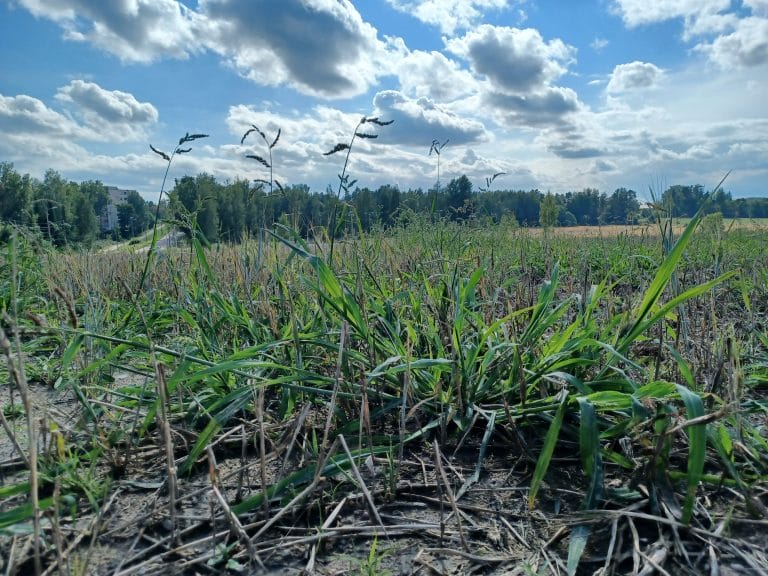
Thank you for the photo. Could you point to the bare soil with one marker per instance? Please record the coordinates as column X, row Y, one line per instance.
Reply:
column 417, row 524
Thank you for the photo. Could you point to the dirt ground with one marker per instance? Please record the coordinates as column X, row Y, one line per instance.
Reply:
column 403, row 519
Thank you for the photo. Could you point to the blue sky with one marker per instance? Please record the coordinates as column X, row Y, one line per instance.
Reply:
column 560, row 95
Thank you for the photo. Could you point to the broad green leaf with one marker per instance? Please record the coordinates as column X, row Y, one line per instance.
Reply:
column 542, row 464
column 697, row 448
column 21, row 513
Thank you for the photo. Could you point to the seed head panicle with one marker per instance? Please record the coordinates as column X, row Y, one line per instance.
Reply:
column 258, row 159
column 375, row 120
column 338, row 148
column 160, row 153
column 277, row 137
column 247, row 133
column 436, row 147
column 190, row 137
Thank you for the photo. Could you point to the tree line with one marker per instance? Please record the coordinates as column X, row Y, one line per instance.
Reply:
column 69, row 213
column 228, row 211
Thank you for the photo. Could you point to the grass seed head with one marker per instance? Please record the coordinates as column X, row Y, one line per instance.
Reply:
column 190, row 137
column 277, row 137
column 160, row 153
column 258, row 159
column 338, row 148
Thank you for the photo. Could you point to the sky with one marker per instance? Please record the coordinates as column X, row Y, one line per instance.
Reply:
column 558, row 95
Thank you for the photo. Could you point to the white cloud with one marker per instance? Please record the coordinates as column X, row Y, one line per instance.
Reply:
column 598, row 44
column 746, row 46
column 132, row 30
column 431, row 74
column 519, row 68
column 27, row 115
column 634, row 76
column 320, row 47
column 640, row 12
column 758, row 7
column 418, row 122
column 449, row 15
column 51, row 141
column 99, row 115
column 116, row 114
column 398, row 156
column 299, row 156
column 269, row 42
column 726, row 37
column 514, row 61
column 603, row 167
column 547, row 107
column 38, row 137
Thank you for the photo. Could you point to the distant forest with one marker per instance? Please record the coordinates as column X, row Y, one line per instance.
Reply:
column 68, row 213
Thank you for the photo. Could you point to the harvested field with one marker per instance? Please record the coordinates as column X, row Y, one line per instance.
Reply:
column 441, row 399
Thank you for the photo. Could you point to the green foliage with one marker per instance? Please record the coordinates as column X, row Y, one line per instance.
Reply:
column 15, row 195
column 548, row 211
column 621, row 207
column 586, row 206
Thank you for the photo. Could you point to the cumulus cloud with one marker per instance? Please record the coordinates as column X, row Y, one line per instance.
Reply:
column 640, row 12
column 519, row 68
column 448, row 15
column 132, row 30
column 114, row 111
column 539, row 109
column 603, row 167
column 470, row 158
column 99, row 115
column 299, row 157
column 40, row 137
column 432, row 74
column 304, row 138
column 758, row 7
column 417, row 122
column 27, row 115
column 320, row 47
column 634, row 76
column 270, row 42
column 514, row 60
column 746, row 46
column 580, row 138
column 728, row 38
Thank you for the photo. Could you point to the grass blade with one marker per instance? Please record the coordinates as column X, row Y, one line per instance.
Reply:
column 542, row 464
column 697, row 448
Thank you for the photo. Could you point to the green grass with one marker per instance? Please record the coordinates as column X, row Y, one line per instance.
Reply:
column 430, row 331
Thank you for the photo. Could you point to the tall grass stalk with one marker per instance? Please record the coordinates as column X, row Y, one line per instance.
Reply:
column 169, row 160
column 14, row 356
column 345, row 185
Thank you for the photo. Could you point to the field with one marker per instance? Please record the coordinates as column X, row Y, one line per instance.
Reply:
column 439, row 398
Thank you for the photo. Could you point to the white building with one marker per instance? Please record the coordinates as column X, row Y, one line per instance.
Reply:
column 117, row 196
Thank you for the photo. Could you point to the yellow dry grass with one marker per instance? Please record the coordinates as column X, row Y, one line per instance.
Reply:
column 613, row 230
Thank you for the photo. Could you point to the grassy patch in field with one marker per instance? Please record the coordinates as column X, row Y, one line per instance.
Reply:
column 440, row 386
